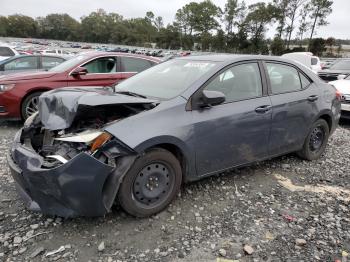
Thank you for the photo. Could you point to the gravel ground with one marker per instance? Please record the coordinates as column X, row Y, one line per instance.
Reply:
column 284, row 209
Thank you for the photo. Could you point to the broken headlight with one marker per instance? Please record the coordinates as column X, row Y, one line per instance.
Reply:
column 94, row 138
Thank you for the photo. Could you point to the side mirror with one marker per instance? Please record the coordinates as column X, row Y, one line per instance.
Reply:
column 79, row 71
column 212, row 98
column 340, row 77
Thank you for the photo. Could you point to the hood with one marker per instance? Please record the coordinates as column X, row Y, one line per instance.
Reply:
column 26, row 76
column 59, row 108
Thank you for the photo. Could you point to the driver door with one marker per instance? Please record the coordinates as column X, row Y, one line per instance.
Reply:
column 102, row 71
column 237, row 131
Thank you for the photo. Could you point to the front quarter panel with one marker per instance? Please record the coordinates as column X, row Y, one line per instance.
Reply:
column 168, row 123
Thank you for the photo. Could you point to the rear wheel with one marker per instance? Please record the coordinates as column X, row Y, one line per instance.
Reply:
column 30, row 105
column 151, row 183
column 316, row 141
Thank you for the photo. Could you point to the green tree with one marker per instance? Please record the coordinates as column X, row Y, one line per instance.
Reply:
column 260, row 15
column 3, row 25
column 277, row 46
column 317, row 46
column 292, row 15
column 281, row 9
column 319, row 11
column 330, row 42
column 21, row 26
column 304, row 23
column 200, row 18
column 158, row 22
column 59, row 26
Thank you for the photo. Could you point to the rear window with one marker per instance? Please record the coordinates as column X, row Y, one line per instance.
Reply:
column 6, row 51
column 131, row 64
column 49, row 62
column 22, row 63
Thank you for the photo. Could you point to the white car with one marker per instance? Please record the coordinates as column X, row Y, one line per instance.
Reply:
column 58, row 52
column 7, row 51
column 343, row 86
column 307, row 59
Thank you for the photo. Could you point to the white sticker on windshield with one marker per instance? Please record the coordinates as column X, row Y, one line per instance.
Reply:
column 196, row 65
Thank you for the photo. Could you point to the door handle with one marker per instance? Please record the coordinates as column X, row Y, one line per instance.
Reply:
column 312, row 98
column 263, row 109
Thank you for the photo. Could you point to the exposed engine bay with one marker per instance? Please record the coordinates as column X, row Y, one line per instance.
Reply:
column 71, row 121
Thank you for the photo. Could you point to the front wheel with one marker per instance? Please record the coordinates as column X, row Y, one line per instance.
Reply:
column 316, row 141
column 151, row 183
column 30, row 105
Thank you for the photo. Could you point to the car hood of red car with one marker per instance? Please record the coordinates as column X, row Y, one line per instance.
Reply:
column 26, row 76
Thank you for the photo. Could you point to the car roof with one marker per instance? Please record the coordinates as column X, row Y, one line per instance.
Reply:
column 19, row 56
column 93, row 54
column 233, row 58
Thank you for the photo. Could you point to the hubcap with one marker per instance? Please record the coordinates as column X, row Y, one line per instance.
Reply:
column 32, row 106
column 152, row 184
column 316, row 139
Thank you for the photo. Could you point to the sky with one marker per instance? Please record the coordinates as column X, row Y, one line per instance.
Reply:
column 338, row 21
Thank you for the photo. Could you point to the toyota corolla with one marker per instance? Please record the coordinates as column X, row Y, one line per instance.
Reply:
column 179, row 121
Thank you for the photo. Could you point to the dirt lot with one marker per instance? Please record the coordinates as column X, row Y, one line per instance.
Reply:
column 284, row 209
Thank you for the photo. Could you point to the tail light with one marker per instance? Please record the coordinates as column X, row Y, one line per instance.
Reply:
column 339, row 95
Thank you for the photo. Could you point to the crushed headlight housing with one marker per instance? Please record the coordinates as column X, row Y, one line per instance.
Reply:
column 6, row 87
column 95, row 138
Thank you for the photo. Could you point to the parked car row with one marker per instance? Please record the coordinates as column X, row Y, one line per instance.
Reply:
column 138, row 140
column 19, row 92
column 29, row 63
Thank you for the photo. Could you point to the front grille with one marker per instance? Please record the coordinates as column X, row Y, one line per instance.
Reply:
column 2, row 109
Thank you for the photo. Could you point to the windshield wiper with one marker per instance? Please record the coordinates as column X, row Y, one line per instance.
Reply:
column 130, row 94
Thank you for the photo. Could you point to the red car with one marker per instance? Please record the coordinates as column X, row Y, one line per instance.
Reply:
column 19, row 92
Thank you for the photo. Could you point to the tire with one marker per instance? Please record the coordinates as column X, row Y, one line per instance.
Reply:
column 316, row 141
column 29, row 104
column 151, row 183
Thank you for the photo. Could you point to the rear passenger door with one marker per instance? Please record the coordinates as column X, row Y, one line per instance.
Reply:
column 294, row 99
column 132, row 65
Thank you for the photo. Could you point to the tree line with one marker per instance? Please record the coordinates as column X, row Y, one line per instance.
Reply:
column 204, row 26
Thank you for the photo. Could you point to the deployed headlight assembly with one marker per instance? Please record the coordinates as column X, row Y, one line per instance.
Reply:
column 92, row 137
column 7, row 87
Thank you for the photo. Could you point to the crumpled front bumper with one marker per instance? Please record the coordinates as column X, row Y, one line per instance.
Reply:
column 83, row 186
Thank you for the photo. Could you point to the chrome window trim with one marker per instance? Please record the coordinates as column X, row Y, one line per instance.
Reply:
column 144, row 58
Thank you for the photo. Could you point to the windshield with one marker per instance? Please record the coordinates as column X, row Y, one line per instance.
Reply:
column 68, row 64
column 341, row 65
column 166, row 80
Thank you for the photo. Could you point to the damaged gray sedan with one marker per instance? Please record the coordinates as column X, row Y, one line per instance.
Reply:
column 179, row 121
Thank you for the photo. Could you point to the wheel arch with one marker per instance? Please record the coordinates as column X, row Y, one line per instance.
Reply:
column 175, row 146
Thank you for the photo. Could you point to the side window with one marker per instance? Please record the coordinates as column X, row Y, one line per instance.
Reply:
column 314, row 61
column 305, row 82
column 23, row 63
column 283, row 78
column 238, row 82
column 102, row 65
column 131, row 64
column 49, row 62
column 5, row 51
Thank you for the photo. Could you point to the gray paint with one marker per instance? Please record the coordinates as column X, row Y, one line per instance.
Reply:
column 211, row 139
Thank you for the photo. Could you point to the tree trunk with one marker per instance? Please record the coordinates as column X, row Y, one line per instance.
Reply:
column 314, row 25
